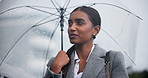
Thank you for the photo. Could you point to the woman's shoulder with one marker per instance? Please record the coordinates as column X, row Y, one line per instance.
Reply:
column 116, row 59
column 117, row 65
column 112, row 53
column 116, row 54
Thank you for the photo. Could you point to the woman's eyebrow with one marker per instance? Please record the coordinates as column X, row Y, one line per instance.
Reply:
column 79, row 19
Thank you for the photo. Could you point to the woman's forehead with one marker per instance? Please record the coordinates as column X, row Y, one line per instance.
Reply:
column 78, row 15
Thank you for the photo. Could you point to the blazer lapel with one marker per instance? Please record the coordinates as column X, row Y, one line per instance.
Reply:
column 95, row 63
column 70, row 70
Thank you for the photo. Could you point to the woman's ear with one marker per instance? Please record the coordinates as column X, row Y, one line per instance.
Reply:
column 97, row 29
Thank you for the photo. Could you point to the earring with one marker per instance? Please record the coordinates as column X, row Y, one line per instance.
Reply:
column 94, row 36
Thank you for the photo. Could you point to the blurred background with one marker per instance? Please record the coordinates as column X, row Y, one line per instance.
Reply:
column 140, row 7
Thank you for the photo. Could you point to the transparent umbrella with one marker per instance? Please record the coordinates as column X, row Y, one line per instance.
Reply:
column 30, row 32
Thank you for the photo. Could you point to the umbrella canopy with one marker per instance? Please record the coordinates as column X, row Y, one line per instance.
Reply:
column 30, row 32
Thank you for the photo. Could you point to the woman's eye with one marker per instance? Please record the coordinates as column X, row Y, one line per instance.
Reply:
column 80, row 23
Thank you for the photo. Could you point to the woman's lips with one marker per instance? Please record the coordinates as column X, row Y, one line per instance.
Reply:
column 73, row 35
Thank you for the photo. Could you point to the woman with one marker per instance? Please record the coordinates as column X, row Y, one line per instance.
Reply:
column 85, row 59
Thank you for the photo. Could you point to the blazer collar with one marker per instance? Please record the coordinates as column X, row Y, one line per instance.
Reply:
column 94, row 64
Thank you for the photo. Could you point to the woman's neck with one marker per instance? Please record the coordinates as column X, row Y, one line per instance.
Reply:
column 83, row 50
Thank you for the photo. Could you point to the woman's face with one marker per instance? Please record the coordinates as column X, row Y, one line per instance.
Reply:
column 80, row 28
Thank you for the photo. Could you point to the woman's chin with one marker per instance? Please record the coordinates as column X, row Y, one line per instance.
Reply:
column 73, row 42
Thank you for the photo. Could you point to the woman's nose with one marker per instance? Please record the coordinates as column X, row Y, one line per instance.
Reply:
column 72, row 27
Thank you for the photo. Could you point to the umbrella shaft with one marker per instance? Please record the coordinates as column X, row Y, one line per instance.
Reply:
column 62, row 25
column 62, row 39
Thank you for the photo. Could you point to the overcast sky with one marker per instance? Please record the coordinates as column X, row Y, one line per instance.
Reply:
column 140, row 8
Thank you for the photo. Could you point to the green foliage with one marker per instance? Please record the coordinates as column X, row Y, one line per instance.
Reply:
column 143, row 74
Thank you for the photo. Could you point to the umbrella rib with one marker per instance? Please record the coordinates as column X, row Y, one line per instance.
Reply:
column 22, row 37
column 14, row 45
column 80, row 5
column 43, row 7
column 28, row 7
column 55, row 6
column 92, row 4
column 11, row 9
column 118, row 44
column 66, row 17
column 49, row 46
column 56, row 3
column 67, row 14
column 66, row 22
column 118, row 7
column 44, row 22
column 125, row 21
column 41, row 10
column 66, row 4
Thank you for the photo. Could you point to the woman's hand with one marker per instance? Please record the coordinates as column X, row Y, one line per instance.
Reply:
column 60, row 61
